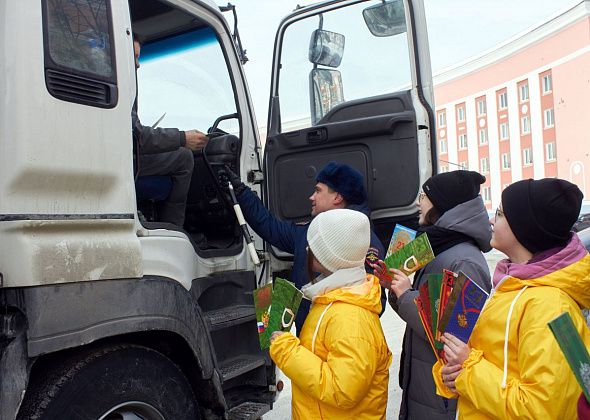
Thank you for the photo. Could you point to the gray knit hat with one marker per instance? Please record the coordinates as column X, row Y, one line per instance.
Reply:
column 339, row 238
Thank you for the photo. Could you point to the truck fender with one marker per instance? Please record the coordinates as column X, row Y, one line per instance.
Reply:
column 73, row 314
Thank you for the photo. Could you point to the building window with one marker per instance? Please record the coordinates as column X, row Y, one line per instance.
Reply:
column 483, row 136
column 463, row 165
column 487, row 194
column 524, row 92
column 505, row 160
column 443, row 146
column 547, row 84
column 444, row 169
column 442, row 119
column 484, row 165
column 463, row 141
column 461, row 114
column 525, row 125
column 550, row 152
column 503, row 100
column 481, row 107
column 527, row 156
column 549, row 118
column 504, row 131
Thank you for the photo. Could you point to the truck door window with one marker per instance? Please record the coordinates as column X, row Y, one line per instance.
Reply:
column 357, row 61
column 79, row 51
column 187, row 78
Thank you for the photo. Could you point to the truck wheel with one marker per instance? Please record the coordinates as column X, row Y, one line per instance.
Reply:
column 121, row 382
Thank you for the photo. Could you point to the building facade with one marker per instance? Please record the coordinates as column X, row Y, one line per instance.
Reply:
column 520, row 110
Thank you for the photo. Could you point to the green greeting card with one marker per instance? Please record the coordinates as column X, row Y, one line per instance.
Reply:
column 276, row 307
column 573, row 348
column 411, row 257
column 434, row 286
column 262, row 302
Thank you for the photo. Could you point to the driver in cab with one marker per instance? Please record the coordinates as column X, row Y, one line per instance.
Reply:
column 166, row 151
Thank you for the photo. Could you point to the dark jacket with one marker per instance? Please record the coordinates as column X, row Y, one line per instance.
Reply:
column 155, row 140
column 419, row 400
column 292, row 238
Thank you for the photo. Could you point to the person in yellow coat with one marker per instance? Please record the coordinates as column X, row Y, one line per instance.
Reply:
column 513, row 367
column 339, row 365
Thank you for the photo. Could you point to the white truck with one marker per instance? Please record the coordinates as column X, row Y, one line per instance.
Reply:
column 105, row 314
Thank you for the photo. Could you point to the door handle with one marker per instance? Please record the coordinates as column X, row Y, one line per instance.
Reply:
column 319, row 135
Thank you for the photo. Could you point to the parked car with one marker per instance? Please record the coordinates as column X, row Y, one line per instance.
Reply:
column 584, row 218
column 584, row 235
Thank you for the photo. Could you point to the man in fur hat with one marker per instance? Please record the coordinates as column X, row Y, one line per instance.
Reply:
column 337, row 186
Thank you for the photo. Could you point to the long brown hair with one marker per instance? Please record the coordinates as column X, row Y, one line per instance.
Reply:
column 432, row 216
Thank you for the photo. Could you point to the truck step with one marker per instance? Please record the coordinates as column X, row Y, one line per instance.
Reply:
column 235, row 367
column 248, row 411
column 226, row 317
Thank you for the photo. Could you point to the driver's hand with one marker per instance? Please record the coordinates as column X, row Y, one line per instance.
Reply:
column 195, row 140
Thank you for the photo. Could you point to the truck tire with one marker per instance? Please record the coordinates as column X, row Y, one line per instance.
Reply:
column 111, row 383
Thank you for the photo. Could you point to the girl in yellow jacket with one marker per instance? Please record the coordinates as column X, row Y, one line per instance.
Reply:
column 513, row 367
column 339, row 366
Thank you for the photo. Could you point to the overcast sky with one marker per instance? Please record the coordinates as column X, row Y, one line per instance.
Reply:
column 458, row 29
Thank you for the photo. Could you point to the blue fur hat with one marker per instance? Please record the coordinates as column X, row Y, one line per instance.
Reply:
column 345, row 180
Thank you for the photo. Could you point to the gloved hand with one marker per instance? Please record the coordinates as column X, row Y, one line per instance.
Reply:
column 235, row 180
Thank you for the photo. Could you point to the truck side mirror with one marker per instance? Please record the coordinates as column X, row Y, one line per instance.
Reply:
column 326, row 48
column 326, row 92
column 386, row 19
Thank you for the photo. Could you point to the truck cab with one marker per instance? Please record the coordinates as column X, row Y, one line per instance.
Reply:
column 105, row 311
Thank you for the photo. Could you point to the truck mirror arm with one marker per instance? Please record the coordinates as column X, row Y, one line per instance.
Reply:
column 236, row 35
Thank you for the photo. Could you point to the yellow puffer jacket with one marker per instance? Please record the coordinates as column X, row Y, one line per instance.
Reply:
column 516, row 369
column 344, row 372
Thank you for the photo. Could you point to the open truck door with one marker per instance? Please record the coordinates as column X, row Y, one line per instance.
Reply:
column 351, row 82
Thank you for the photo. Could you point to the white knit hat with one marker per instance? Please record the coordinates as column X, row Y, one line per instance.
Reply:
column 339, row 238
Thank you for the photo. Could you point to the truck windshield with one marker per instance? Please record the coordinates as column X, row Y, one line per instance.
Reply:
column 186, row 77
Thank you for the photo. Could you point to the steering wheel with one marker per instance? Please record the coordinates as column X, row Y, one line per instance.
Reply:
column 214, row 131
column 215, row 134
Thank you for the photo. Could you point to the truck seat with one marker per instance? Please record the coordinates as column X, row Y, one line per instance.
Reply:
column 150, row 191
column 153, row 188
